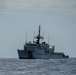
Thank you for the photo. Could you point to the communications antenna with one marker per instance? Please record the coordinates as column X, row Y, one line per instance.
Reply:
column 33, row 36
column 26, row 36
column 49, row 38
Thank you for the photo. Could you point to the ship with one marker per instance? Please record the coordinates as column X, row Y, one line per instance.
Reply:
column 39, row 50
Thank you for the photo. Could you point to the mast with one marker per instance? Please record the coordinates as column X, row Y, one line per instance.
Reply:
column 38, row 37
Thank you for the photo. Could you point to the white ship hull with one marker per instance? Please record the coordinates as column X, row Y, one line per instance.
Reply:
column 25, row 55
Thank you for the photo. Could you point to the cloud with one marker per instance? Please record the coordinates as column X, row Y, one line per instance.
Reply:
column 39, row 5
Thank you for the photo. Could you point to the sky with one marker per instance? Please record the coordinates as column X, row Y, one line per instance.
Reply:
column 56, row 17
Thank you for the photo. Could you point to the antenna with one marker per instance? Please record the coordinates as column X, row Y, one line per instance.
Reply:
column 49, row 38
column 33, row 36
column 26, row 36
column 42, row 36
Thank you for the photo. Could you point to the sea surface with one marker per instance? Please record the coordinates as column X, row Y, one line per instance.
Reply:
column 38, row 66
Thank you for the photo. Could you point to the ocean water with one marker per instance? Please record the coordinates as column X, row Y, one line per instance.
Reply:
column 38, row 66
